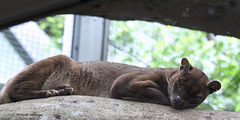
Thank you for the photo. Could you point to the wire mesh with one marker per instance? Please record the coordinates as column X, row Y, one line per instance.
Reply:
column 26, row 43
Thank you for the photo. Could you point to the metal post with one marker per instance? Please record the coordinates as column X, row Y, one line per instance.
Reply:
column 90, row 38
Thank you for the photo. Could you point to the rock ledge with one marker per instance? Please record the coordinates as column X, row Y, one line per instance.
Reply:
column 86, row 107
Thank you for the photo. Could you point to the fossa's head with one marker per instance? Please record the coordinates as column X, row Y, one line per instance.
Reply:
column 189, row 87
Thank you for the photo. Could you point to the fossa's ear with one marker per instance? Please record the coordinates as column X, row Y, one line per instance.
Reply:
column 185, row 65
column 214, row 86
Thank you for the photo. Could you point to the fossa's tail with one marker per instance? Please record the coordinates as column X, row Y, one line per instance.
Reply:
column 1, row 97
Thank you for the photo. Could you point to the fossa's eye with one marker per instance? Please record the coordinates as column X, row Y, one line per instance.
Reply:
column 181, row 84
column 198, row 96
column 182, row 81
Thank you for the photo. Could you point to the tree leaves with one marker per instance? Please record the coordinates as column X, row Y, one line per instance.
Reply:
column 53, row 26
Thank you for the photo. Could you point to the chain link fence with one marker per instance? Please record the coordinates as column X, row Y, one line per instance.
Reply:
column 23, row 44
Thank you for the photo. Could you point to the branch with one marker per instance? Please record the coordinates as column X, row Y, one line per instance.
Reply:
column 121, row 48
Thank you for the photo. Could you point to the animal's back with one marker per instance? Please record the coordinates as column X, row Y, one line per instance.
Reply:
column 96, row 77
column 43, row 77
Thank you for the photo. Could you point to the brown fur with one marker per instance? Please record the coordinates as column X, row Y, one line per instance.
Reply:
column 183, row 87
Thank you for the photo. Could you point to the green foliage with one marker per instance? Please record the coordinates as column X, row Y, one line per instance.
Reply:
column 53, row 26
column 155, row 45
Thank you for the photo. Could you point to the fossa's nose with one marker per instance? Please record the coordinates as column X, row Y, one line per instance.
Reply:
column 178, row 102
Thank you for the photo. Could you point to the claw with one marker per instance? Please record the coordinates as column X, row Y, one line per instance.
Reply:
column 65, row 90
column 52, row 92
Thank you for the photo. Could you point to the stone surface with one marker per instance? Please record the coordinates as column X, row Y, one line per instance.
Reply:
column 85, row 107
column 215, row 16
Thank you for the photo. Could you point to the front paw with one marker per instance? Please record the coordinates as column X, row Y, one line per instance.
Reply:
column 65, row 90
